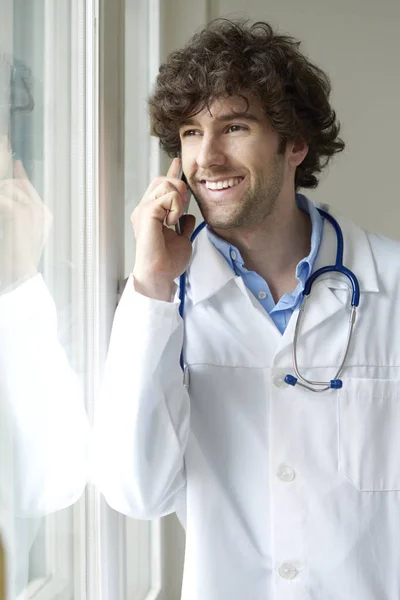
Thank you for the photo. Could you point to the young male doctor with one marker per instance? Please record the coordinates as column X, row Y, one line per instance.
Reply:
column 284, row 492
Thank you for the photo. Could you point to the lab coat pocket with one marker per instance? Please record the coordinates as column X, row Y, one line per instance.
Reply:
column 369, row 433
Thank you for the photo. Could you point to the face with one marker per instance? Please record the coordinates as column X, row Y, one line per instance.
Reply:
column 232, row 163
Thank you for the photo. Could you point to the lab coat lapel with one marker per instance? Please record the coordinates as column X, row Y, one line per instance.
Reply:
column 322, row 305
column 357, row 256
column 208, row 271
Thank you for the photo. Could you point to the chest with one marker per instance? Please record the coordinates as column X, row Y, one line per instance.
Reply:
column 232, row 330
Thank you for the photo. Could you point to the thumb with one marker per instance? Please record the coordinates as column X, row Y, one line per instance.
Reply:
column 19, row 171
column 189, row 223
column 174, row 168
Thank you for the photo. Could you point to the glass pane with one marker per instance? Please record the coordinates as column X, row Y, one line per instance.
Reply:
column 142, row 551
column 154, row 549
column 43, row 422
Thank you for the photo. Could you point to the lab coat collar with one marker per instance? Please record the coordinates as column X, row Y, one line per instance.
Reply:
column 209, row 272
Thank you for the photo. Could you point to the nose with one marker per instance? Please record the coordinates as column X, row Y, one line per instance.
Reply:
column 210, row 153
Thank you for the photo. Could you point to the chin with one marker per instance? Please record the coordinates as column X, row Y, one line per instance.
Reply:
column 216, row 222
column 217, row 218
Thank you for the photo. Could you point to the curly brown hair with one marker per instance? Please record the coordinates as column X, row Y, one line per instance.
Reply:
column 238, row 58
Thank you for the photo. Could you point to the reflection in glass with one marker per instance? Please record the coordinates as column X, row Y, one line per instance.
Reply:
column 43, row 423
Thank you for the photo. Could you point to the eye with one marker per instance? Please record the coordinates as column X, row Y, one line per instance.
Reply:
column 233, row 128
column 190, row 132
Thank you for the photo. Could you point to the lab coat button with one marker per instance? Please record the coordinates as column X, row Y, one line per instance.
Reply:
column 279, row 381
column 286, row 473
column 287, row 571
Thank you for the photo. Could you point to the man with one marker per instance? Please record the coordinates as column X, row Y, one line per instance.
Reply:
column 284, row 493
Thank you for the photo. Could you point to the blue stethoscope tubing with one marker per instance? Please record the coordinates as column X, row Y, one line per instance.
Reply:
column 338, row 267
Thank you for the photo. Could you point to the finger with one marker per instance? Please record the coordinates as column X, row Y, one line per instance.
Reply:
column 170, row 185
column 13, row 191
column 173, row 170
column 19, row 171
column 6, row 162
column 182, row 188
column 162, row 189
column 188, row 225
column 168, row 208
column 175, row 173
column 22, row 180
column 7, row 214
column 6, row 204
column 29, row 194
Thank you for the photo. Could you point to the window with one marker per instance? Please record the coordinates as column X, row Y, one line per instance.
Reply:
column 43, row 362
column 75, row 158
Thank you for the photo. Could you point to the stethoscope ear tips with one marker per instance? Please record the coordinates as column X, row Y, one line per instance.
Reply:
column 334, row 384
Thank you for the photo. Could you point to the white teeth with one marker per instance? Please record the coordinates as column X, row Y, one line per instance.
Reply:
column 219, row 185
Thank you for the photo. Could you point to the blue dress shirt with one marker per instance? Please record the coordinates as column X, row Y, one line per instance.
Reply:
column 280, row 312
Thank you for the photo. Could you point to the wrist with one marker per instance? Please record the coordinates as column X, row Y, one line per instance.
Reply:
column 154, row 288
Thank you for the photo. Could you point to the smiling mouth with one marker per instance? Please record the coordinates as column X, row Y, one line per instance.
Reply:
column 218, row 186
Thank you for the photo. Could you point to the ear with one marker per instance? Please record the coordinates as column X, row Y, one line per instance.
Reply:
column 296, row 152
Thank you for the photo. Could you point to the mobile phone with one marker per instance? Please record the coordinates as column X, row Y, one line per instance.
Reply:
column 179, row 225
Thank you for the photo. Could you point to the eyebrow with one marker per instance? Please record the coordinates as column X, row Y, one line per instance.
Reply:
column 226, row 117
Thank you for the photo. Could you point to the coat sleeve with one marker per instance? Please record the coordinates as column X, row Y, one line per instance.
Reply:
column 44, row 431
column 142, row 421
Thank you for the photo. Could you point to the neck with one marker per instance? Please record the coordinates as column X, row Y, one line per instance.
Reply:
column 275, row 246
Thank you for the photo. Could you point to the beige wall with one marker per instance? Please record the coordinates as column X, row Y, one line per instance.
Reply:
column 358, row 44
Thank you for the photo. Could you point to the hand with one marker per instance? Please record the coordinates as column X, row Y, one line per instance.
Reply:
column 161, row 254
column 24, row 224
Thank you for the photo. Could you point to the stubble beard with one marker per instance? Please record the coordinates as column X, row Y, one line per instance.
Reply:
column 253, row 208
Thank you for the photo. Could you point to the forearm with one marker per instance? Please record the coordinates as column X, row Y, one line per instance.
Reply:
column 43, row 421
column 142, row 425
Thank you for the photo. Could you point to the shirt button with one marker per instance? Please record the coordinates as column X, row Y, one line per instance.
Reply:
column 279, row 381
column 262, row 295
column 233, row 255
column 287, row 571
column 286, row 474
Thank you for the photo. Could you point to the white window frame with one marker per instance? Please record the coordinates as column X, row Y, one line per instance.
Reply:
column 143, row 577
column 65, row 188
column 169, row 24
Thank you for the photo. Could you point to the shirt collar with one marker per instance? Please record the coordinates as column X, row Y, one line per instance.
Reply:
column 228, row 251
column 305, row 266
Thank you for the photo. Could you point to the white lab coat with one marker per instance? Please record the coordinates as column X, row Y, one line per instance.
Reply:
column 44, row 430
column 285, row 494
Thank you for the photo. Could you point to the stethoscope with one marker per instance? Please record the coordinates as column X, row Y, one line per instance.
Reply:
column 338, row 267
